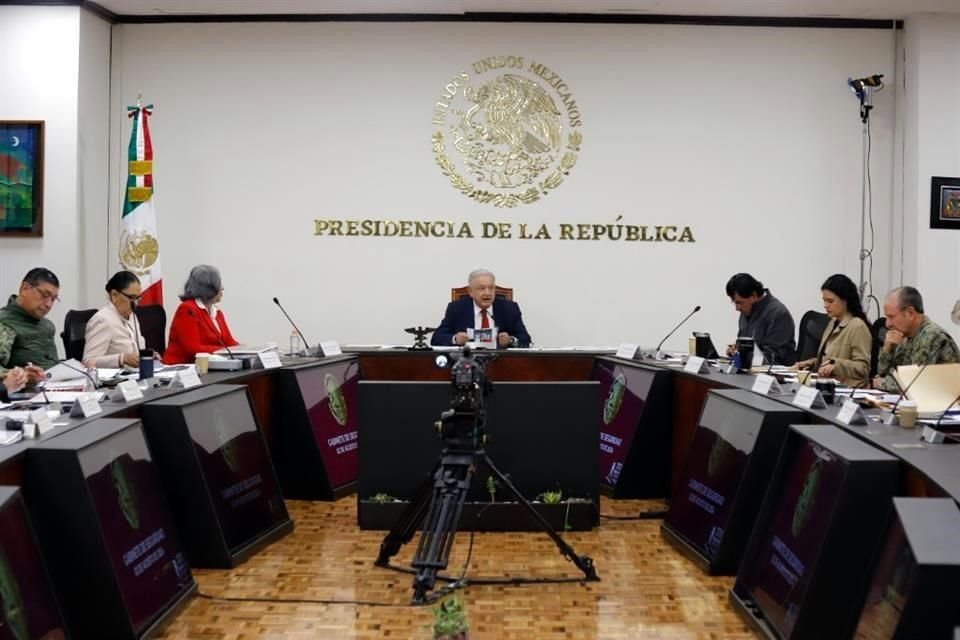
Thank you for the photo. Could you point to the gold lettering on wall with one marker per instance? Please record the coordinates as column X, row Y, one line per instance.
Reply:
column 496, row 230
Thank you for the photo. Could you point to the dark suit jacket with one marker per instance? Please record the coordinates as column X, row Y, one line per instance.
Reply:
column 459, row 316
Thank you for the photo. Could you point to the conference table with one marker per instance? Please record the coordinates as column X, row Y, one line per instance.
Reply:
column 290, row 402
column 929, row 469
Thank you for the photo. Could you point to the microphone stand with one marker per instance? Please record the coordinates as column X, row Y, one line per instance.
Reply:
column 86, row 374
column 306, row 345
column 656, row 355
column 940, row 419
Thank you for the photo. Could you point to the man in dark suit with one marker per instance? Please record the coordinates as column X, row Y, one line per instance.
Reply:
column 482, row 310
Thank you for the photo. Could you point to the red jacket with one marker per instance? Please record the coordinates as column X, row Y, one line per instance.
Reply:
column 192, row 332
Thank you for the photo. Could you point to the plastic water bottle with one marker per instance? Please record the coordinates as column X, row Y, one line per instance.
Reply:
column 296, row 344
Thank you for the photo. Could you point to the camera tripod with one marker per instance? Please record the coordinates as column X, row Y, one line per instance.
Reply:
column 439, row 503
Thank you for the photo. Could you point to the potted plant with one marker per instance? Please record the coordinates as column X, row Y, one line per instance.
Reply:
column 450, row 620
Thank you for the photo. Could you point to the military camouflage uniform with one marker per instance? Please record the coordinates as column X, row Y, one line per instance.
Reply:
column 7, row 336
column 931, row 345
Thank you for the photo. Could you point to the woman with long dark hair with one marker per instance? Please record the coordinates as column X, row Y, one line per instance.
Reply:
column 844, row 351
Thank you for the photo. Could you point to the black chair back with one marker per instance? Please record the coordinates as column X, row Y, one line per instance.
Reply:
column 74, row 334
column 812, row 326
column 879, row 331
column 153, row 325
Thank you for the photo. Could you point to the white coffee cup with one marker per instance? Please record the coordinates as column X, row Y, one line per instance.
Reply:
column 203, row 363
column 907, row 414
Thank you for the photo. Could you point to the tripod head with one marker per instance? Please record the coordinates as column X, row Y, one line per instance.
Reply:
column 462, row 425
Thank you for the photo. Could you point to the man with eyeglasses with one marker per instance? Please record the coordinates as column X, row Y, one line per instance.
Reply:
column 26, row 335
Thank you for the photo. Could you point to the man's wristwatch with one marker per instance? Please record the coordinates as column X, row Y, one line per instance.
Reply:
column 513, row 341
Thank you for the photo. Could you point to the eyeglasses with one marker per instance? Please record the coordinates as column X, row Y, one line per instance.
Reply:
column 46, row 295
column 131, row 298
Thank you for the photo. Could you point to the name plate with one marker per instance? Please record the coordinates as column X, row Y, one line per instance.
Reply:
column 809, row 398
column 851, row 413
column 696, row 364
column 766, row 384
column 130, row 391
column 186, row 379
column 41, row 421
column 330, row 348
column 270, row 359
column 86, row 406
column 627, row 351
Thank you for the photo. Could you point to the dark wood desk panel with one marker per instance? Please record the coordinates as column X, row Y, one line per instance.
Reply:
column 932, row 470
column 689, row 396
column 509, row 366
column 259, row 381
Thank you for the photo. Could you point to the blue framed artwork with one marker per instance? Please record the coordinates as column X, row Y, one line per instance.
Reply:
column 21, row 177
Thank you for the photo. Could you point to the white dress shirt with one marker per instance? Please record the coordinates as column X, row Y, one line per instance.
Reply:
column 213, row 311
column 478, row 317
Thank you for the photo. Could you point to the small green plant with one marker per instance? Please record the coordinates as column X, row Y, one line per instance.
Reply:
column 382, row 498
column 551, row 497
column 450, row 620
column 492, row 488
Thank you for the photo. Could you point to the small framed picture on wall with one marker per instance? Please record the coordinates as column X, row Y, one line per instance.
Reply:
column 21, row 178
column 945, row 203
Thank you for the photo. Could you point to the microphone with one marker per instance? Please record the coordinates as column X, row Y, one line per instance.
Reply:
column 674, row 330
column 819, row 360
column 86, row 374
column 306, row 345
column 940, row 419
column 903, row 392
column 216, row 334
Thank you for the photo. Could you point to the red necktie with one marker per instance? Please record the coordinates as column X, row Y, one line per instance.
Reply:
column 484, row 319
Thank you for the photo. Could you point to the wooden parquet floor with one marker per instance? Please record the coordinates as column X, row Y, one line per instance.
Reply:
column 647, row 589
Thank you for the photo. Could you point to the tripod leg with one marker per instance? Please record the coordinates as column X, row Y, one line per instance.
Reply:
column 584, row 563
column 440, row 526
column 408, row 522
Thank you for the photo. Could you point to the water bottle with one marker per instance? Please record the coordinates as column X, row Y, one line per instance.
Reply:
column 296, row 344
column 146, row 364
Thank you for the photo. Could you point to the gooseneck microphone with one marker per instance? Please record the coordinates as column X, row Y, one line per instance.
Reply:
column 903, row 391
column 306, row 345
column 84, row 372
column 940, row 419
column 216, row 334
column 674, row 330
column 816, row 363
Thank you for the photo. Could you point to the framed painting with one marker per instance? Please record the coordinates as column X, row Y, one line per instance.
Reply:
column 945, row 203
column 21, row 178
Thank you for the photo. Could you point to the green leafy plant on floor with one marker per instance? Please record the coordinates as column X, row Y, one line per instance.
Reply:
column 492, row 488
column 450, row 620
column 382, row 498
column 551, row 497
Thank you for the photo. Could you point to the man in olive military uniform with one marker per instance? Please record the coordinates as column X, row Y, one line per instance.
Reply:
column 26, row 335
column 911, row 338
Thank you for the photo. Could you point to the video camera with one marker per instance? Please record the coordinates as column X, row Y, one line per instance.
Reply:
column 462, row 424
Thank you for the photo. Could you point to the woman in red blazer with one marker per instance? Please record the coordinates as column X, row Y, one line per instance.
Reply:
column 199, row 325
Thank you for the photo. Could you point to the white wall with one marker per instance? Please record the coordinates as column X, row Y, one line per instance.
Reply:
column 93, row 162
column 932, row 134
column 38, row 81
column 54, row 66
column 747, row 134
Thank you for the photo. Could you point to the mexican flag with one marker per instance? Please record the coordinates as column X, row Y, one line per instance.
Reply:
column 139, row 246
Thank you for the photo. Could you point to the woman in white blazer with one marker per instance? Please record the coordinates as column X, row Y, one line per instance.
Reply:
column 113, row 337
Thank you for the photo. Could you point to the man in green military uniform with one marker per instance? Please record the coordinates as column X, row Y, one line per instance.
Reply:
column 26, row 335
column 911, row 338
